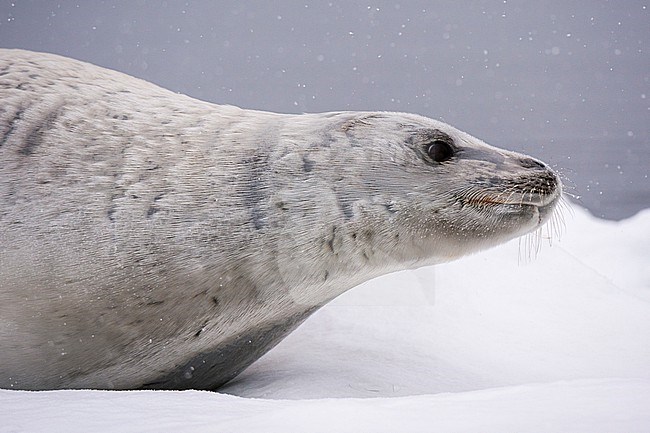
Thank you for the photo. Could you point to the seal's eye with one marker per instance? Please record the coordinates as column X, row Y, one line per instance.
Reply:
column 439, row 151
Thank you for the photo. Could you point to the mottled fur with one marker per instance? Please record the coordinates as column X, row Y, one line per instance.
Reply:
column 151, row 240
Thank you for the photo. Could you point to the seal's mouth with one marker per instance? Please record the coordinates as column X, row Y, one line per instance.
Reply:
column 541, row 204
column 530, row 198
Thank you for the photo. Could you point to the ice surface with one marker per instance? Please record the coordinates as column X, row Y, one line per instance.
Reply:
column 485, row 344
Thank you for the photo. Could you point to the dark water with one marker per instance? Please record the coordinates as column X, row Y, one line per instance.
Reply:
column 568, row 82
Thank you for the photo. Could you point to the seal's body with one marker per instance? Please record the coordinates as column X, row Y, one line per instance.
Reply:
column 151, row 240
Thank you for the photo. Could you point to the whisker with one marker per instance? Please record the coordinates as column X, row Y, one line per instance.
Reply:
column 531, row 244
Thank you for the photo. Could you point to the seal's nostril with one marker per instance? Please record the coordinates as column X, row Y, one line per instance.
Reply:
column 531, row 163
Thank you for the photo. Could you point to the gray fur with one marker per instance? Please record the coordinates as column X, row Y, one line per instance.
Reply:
column 148, row 239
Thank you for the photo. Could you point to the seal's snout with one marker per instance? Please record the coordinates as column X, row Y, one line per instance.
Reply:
column 540, row 178
column 543, row 187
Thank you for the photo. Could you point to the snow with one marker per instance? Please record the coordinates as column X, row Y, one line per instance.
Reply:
column 491, row 343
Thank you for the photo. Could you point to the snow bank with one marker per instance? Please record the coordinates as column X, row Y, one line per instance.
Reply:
column 579, row 406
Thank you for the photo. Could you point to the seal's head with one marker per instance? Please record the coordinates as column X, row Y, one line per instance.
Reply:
column 418, row 191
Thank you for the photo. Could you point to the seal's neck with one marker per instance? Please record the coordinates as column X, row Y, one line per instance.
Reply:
column 339, row 257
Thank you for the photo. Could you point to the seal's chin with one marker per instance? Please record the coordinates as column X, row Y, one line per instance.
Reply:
column 546, row 211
